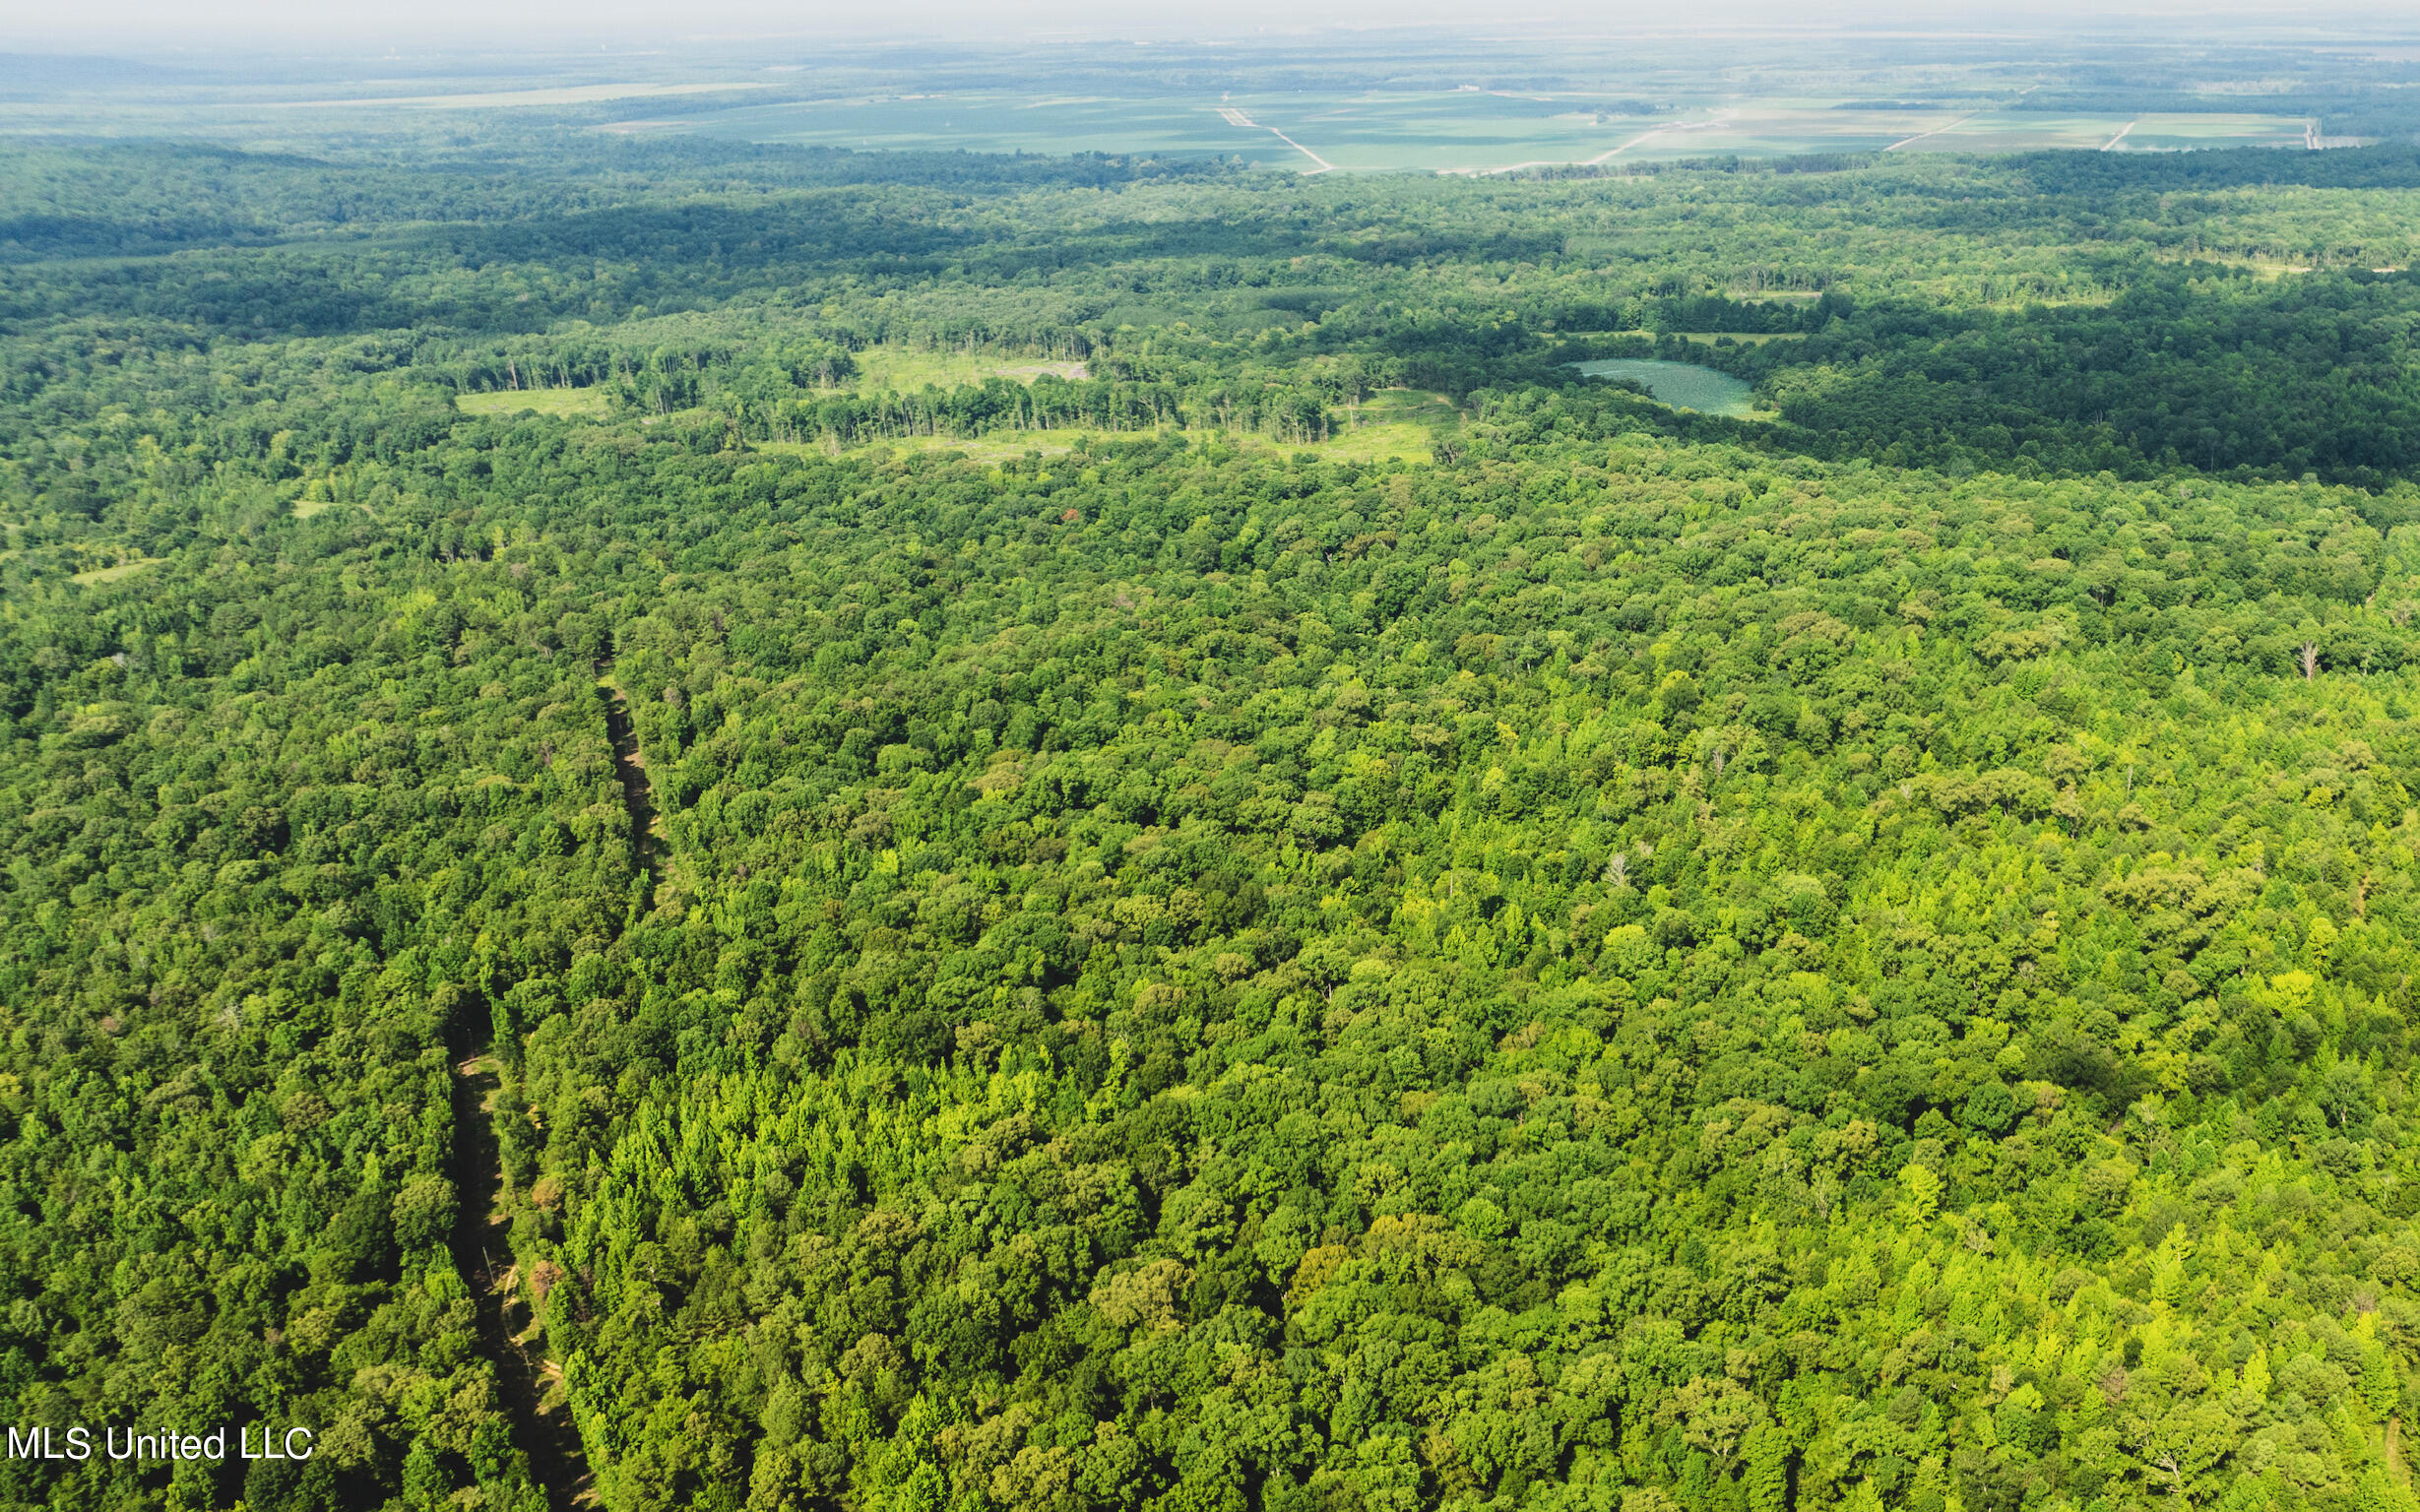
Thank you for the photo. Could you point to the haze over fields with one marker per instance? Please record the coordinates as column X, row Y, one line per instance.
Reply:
column 1536, row 91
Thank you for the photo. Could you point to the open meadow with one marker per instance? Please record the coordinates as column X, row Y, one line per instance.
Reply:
column 570, row 402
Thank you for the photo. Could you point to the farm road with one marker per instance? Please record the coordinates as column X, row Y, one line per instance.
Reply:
column 1610, row 153
column 1236, row 117
column 1935, row 132
column 541, row 1429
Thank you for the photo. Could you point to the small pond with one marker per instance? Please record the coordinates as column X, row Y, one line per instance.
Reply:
column 1682, row 385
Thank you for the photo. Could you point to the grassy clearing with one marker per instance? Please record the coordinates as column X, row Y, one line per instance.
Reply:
column 582, row 403
column 1397, row 424
column 902, row 371
column 1399, row 441
column 1394, row 423
column 125, row 569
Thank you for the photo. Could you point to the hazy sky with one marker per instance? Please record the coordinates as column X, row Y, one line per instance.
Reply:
column 145, row 25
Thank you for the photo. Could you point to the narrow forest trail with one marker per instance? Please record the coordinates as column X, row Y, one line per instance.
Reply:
column 647, row 840
column 528, row 1381
column 542, row 1429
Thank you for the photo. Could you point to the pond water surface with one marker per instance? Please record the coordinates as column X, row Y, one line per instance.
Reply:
column 1682, row 385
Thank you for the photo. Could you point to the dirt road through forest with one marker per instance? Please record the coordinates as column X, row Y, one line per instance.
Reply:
column 542, row 1432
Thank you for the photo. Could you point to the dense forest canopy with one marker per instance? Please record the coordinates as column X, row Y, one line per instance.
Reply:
column 1013, row 900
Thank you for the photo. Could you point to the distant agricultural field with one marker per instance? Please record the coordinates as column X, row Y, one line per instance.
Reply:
column 1458, row 131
